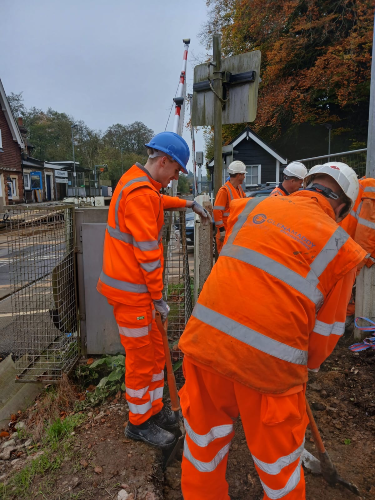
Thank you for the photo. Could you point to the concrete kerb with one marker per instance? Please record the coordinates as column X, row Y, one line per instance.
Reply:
column 14, row 396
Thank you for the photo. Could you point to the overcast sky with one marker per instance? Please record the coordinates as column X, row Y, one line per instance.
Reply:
column 101, row 61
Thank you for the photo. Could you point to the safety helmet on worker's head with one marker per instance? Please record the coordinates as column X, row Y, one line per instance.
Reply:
column 173, row 145
column 237, row 167
column 295, row 169
column 344, row 175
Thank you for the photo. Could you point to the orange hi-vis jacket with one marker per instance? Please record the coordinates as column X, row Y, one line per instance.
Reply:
column 360, row 222
column 279, row 191
column 224, row 196
column 273, row 304
column 133, row 250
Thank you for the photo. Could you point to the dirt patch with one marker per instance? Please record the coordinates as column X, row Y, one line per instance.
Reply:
column 342, row 396
column 101, row 461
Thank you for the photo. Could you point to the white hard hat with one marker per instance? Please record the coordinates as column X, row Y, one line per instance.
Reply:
column 295, row 169
column 344, row 175
column 237, row 167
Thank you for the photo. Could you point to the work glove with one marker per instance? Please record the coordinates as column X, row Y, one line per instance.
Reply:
column 222, row 234
column 202, row 212
column 163, row 308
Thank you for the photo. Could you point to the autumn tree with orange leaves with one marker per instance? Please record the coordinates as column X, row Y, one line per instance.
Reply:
column 316, row 66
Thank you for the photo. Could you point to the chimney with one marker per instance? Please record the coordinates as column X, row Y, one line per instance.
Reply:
column 20, row 121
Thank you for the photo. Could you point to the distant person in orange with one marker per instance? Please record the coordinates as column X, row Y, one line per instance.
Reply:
column 360, row 225
column 272, row 308
column 231, row 190
column 132, row 281
column 294, row 175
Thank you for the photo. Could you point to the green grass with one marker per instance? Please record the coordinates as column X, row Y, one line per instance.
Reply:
column 56, row 446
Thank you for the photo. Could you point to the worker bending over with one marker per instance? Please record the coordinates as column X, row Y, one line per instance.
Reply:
column 231, row 190
column 131, row 279
column 272, row 308
column 294, row 175
column 360, row 225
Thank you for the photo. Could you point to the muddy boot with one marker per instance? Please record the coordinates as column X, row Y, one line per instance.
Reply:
column 150, row 433
column 166, row 419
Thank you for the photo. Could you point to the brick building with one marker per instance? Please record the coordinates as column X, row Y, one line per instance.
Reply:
column 11, row 149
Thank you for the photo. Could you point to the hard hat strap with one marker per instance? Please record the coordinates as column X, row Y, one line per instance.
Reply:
column 325, row 191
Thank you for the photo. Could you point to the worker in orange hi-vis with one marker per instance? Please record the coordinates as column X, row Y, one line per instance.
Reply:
column 272, row 308
column 132, row 281
column 360, row 225
column 294, row 175
column 231, row 190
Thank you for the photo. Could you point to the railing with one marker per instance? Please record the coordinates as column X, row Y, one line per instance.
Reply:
column 38, row 309
column 355, row 159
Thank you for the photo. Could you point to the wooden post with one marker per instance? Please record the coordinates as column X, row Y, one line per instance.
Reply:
column 218, row 95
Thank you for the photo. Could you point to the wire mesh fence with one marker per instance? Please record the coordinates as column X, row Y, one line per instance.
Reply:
column 355, row 159
column 178, row 286
column 38, row 312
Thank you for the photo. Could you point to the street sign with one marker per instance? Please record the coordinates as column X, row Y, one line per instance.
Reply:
column 240, row 90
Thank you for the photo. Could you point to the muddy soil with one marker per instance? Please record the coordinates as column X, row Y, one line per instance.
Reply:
column 342, row 396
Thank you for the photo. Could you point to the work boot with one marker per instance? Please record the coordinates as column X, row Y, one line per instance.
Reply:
column 150, row 433
column 166, row 419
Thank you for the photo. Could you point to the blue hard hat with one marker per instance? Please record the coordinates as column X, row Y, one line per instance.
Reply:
column 173, row 145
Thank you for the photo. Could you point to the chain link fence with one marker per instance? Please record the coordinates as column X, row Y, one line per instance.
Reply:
column 38, row 311
column 355, row 159
column 178, row 286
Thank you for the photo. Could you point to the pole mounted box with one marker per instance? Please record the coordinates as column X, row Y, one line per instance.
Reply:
column 199, row 157
column 240, row 76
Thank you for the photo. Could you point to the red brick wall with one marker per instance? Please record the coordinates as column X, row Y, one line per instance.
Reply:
column 10, row 158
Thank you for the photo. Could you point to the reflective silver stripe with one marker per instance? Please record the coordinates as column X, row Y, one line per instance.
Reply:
column 158, row 376
column 156, row 394
column 290, row 485
column 366, row 223
column 136, row 393
column 249, row 207
column 134, row 332
column 226, row 214
column 248, row 336
column 145, row 246
column 129, row 183
column 218, row 207
column 119, row 235
column 280, row 463
column 327, row 329
column 125, row 286
column 229, row 191
column 369, row 189
column 279, row 271
column 140, row 409
column 328, row 252
column 206, row 466
column 218, row 222
column 151, row 266
column 204, row 440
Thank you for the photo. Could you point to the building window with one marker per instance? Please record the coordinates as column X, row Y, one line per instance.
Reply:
column 26, row 182
column 1, row 144
column 253, row 175
column 12, row 188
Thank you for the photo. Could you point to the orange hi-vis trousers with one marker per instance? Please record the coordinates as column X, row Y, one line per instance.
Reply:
column 274, row 427
column 144, row 360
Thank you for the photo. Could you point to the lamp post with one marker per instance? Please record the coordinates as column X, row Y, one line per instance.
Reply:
column 74, row 161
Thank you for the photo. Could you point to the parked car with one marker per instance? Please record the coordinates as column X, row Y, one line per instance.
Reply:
column 259, row 192
column 189, row 228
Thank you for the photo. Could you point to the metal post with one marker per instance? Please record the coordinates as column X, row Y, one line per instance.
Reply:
column 218, row 95
column 329, row 141
column 365, row 288
column 190, row 96
column 370, row 162
column 74, row 162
